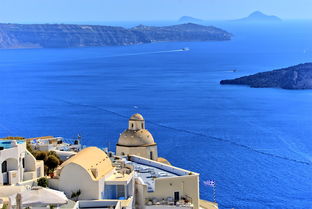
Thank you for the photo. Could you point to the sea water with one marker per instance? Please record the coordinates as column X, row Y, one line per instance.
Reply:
column 255, row 143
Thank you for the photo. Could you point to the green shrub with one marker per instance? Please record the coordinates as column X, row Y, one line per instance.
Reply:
column 52, row 206
column 52, row 162
column 41, row 155
column 43, row 182
column 75, row 195
column 54, row 154
column 5, row 206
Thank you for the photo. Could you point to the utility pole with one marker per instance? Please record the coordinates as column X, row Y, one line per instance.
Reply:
column 214, row 193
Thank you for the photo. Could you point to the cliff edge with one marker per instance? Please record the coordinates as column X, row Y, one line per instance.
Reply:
column 66, row 36
column 295, row 77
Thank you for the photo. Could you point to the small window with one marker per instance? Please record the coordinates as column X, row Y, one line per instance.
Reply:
column 23, row 162
column 151, row 155
column 142, row 126
column 131, row 125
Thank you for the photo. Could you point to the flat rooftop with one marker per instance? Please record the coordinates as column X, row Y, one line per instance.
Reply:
column 149, row 173
column 7, row 144
column 118, row 177
column 149, row 170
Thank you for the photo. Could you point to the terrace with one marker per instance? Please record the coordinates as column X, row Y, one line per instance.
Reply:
column 55, row 143
column 154, row 175
column 149, row 170
column 148, row 174
column 7, row 144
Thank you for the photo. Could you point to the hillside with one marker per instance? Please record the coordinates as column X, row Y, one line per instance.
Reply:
column 66, row 36
column 295, row 77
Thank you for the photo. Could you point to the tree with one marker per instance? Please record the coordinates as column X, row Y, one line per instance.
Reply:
column 54, row 154
column 41, row 155
column 43, row 182
column 52, row 162
column 51, row 159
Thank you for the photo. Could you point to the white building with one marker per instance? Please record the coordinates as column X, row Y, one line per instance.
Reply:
column 158, row 185
column 64, row 148
column 51, row 143
column 17, row 163
column 133, row 178
column 92, row 173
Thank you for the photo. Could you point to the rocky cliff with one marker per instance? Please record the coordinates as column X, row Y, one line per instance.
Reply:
column 65, row 36
column 295, row 77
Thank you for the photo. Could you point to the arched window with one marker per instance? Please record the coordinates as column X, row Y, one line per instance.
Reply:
column 4, row 167
column 142, row 126
column 131, row 125
column 151, row 155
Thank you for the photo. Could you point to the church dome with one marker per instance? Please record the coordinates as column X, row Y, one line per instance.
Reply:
column 137, row 116
column 136, row 138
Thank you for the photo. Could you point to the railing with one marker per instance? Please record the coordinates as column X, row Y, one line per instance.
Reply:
column 168, row 202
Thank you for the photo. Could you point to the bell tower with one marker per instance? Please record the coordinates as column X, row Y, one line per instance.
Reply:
column 136, row 122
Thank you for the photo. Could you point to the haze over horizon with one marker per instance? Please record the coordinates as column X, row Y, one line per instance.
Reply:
column 60, row 11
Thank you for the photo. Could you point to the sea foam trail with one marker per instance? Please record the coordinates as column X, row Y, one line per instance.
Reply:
column 128, row 54
column 233, row 143
column 145, row 53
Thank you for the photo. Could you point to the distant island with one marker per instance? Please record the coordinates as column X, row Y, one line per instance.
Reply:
column 295, row 77
column 67, row 36
column 258, row 16
column 188, row 19
column 254, row 17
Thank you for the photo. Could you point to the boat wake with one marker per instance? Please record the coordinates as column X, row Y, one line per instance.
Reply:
column 146, row 53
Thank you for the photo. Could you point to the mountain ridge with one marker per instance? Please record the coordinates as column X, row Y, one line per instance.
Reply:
column 71, row 35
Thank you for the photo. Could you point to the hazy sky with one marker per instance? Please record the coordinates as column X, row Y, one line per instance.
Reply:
column 132, row 10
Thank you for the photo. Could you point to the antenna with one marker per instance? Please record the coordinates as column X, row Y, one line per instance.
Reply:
column 79, row 138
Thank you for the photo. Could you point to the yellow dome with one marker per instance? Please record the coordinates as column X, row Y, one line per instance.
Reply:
column 137, row 116
column 136, row 138
column 91, row 158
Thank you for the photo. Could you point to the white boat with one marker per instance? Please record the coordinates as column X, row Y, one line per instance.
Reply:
column 185, row 49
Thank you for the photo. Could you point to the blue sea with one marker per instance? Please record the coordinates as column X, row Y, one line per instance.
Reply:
column 255, row 143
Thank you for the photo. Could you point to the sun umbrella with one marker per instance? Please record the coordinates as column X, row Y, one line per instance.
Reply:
column 41, row 196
